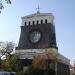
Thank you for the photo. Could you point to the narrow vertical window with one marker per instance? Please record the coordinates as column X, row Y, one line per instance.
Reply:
column 33, row 22
column 29, row 22
column 41, row 21
column 45, row 20
column 25, row 23
column 37, row 22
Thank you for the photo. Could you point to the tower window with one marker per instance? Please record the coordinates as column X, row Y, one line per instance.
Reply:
column 45, row 20
column 29, row 22
column 33, row 22
column 25, row 23
column 41, row 21
column 37, row 22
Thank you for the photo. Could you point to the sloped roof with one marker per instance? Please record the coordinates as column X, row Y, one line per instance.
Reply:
column 37, row 14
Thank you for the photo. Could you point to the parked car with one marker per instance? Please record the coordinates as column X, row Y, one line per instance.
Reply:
column 7, row 73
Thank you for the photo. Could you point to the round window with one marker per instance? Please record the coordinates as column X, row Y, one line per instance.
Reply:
column 35, row 36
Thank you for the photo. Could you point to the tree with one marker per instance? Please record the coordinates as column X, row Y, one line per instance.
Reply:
column 39, row 62
column 10, row 63
column 39, row 67
column 2, row 5
column 6, row 50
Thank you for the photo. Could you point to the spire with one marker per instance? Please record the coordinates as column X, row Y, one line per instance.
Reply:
column 38, row 9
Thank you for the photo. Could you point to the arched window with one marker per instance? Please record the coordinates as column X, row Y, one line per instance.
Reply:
column 25, row 23
column 45, row 20
column 33, row 22
column 29, row 22
column 41, row 21
column 37, row 22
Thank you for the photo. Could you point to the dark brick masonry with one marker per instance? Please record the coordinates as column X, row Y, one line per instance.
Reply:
column 47, row 40
column 63, row 69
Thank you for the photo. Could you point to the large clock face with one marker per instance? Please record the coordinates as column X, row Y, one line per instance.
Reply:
column 35, row 36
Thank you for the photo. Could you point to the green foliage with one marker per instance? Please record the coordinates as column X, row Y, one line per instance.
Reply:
column 10, row 64
column 39, row 62
column 39, row 67
column 37, row 71
column 73, row 74
column 21, row 72
column 33, row 71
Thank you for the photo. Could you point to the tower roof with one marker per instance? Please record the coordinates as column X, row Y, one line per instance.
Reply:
column 38, row 17
column 37, row 14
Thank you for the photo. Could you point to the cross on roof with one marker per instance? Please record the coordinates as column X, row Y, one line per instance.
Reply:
column 38, row 9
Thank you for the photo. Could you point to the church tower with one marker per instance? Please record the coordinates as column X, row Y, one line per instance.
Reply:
column 38, row 37
column 37, row 32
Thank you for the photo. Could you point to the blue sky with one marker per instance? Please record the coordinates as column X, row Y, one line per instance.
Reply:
column 63, row 10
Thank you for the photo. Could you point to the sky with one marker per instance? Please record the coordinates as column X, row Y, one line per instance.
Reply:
column 63, row 11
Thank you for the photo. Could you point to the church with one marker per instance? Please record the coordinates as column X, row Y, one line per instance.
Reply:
column 38, row 36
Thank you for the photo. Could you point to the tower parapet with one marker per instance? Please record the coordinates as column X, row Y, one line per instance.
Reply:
column 37, row 18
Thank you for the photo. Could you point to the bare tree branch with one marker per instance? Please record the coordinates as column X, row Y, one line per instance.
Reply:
column 1, row 4
column 6, row 48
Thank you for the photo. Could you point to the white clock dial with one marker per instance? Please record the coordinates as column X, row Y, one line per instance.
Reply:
column 35, row 36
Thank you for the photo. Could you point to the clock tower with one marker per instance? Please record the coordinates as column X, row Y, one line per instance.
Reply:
column 38, row 37
column 37, row 32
